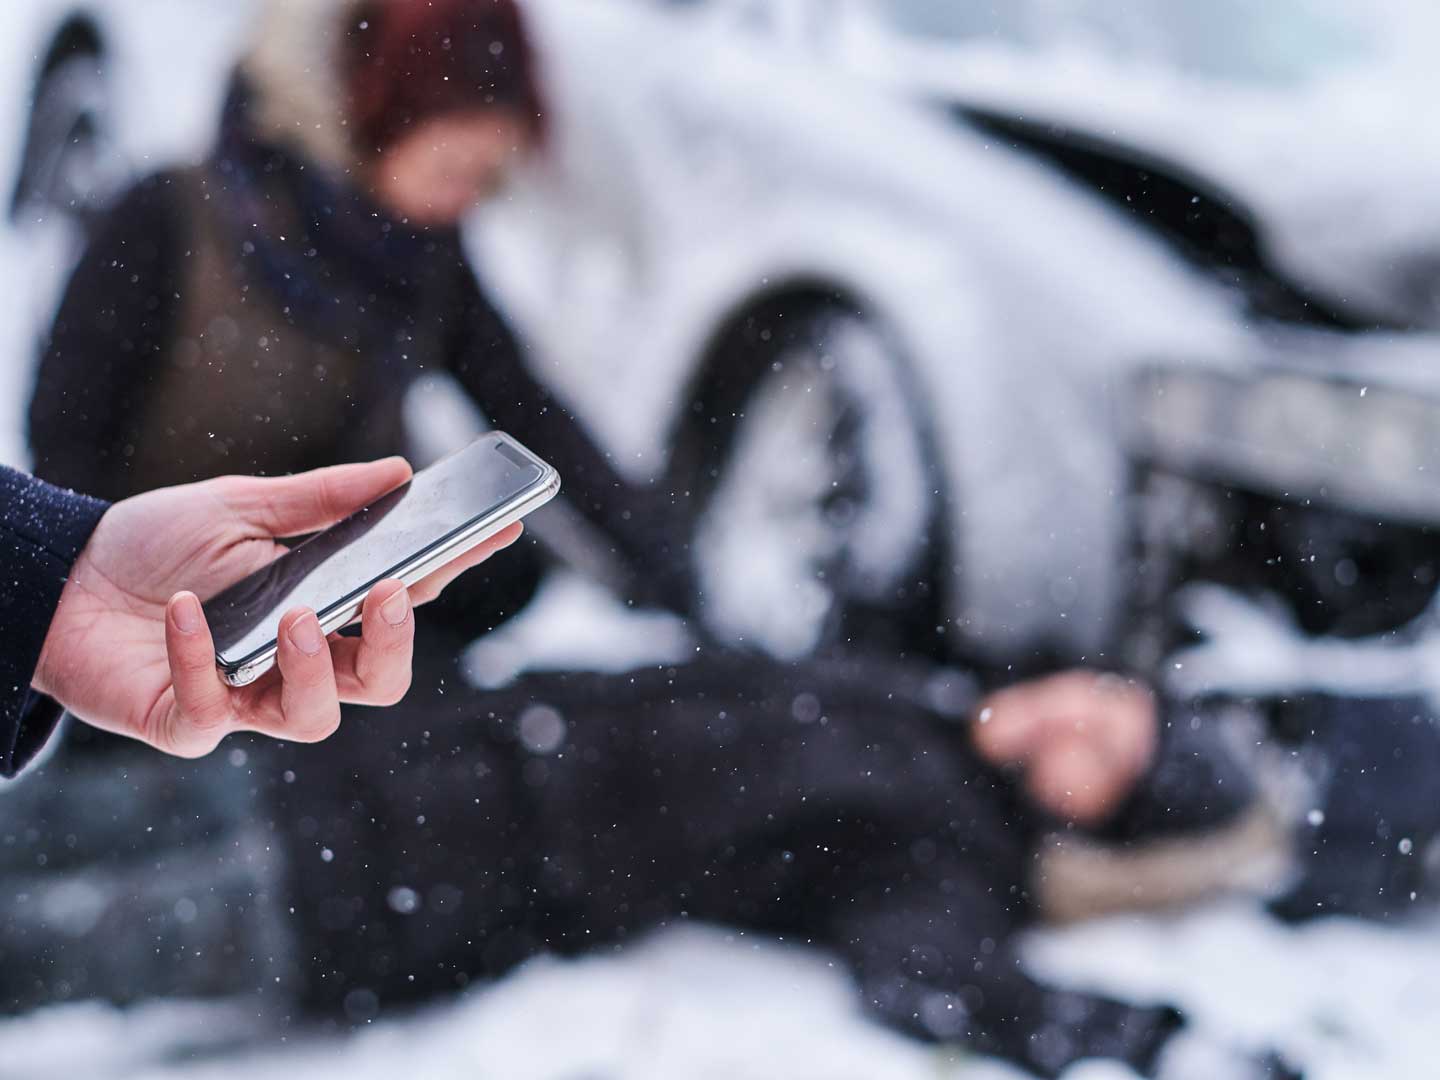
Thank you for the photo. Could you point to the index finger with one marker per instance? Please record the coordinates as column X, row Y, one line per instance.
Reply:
column 309, row 700
column 310, row 501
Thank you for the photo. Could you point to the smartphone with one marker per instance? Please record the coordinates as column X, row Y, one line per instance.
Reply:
column 444, row 511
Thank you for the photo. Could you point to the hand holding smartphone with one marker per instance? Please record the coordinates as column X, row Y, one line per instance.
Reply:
column 444, row 511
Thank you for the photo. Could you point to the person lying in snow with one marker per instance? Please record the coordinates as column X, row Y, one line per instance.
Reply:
column 832, row 803
column 266, row 310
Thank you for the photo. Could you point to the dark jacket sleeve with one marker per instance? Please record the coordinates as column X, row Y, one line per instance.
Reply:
column 42, row 531
column 1196, row 783
column 631, row 534
column 116, row 315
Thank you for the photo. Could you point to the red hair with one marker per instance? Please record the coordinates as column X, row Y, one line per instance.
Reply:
column 410, row 60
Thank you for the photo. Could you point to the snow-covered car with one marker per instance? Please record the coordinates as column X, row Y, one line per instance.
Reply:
column 94, row 92
column 1271, row 145
column 866, row 336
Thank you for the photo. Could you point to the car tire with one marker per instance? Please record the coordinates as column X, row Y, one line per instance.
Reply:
column 814, row 487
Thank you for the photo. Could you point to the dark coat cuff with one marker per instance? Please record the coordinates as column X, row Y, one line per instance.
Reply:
column 39, row 717
column 1196, row 784
column 43, row 529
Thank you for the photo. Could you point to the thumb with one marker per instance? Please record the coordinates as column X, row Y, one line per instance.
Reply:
column 307, row 502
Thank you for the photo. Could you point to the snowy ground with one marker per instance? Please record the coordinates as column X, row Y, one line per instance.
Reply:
column 1353, row 1002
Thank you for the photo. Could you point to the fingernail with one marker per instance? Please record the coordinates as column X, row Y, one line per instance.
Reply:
column 189, row 618
column 305, row 635
column 396, row 609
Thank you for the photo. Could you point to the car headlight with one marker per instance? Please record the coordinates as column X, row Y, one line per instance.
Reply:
column 1315, row 440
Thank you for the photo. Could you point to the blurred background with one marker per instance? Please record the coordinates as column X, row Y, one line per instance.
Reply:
column 1114, row 323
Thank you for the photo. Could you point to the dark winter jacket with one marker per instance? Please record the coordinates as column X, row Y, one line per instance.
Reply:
column 42, row 532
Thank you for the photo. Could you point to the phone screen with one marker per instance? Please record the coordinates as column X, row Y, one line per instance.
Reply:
column 335, row 568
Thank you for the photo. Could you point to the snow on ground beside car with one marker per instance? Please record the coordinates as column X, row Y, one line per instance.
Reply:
column 1349, row 1000
column 573, row 625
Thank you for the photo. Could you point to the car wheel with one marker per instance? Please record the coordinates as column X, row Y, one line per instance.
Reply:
column 814, row 486
column 70, row 163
